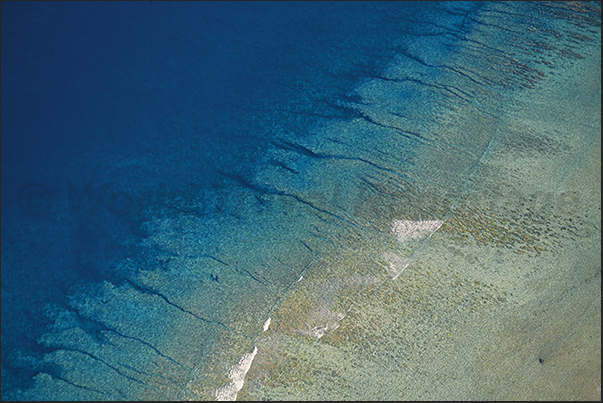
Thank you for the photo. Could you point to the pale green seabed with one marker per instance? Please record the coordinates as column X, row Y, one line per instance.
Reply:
column 502, row 302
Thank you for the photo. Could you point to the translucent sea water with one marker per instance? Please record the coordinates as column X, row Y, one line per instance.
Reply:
column 301, row 200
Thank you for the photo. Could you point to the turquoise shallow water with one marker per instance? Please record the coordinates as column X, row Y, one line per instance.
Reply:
column 403, row 133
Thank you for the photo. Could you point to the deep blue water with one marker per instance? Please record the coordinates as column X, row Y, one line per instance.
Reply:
column 131, row 132
column 159, row 90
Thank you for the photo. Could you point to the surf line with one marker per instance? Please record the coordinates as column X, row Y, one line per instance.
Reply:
column 237, row 373
column 237, row 377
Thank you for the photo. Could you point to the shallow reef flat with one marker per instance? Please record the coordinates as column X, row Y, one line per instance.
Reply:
column 502, row 301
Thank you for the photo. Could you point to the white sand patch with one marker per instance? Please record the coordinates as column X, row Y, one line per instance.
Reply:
column 396, row 264
column 332, row 318
column 319, row 331
column 237, row 375
column 406, row 229
column 266, row 325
